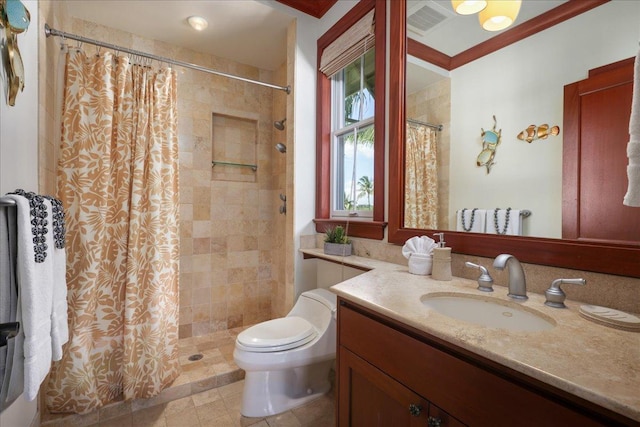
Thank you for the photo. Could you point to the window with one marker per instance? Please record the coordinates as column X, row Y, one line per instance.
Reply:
column 353, row 105
column 350, row 124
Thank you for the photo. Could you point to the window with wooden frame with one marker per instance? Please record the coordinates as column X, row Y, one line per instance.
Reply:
column 350, row 123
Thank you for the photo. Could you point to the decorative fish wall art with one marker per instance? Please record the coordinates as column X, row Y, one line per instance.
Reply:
column 490, row 142
column 534, row 132
column 15, row 19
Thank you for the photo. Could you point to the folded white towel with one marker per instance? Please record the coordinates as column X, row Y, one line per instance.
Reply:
column 35, row 299
column 513, row 228
column 474, row 220
column 418, row 245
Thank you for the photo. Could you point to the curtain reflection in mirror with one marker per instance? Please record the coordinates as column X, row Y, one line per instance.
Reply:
column 421, row 179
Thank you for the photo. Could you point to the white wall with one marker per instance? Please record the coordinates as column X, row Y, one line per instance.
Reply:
column 309, row 30
column 529, row 91
column 19, row 159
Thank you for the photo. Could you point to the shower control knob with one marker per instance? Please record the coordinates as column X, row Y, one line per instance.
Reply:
column 415, row 410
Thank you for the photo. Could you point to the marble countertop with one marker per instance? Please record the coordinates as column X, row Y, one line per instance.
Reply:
column 597, row 363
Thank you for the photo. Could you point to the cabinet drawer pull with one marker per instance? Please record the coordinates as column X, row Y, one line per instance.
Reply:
column 434, row 422
column 415, row 410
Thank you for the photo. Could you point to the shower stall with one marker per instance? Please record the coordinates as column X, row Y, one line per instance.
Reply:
column 233, row 245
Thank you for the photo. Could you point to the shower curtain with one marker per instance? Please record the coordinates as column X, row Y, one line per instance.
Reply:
column 118, row 181
column 421, row 178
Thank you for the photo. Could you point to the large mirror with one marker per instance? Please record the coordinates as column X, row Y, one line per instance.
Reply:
column 521, row 85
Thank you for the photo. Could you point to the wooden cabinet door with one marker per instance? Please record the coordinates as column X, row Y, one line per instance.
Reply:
column 440, row 418
column 370, row 398
column 596, row 133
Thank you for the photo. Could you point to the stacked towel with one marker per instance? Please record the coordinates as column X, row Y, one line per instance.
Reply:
column 474, row 220
column 41, row 288
column 498, row 222
column 632, row 198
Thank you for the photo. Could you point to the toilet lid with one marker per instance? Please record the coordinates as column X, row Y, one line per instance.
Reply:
column 278, row 334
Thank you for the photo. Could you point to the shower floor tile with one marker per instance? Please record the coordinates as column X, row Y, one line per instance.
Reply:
column 207, row 394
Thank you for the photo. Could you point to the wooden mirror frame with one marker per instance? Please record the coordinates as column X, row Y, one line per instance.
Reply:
column 601, row 257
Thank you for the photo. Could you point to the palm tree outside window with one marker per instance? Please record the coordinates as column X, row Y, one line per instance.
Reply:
column 353, row 104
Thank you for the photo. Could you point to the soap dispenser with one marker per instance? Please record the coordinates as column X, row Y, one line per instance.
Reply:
column 441, row 260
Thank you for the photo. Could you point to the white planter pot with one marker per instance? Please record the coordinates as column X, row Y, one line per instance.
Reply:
column 338, row 249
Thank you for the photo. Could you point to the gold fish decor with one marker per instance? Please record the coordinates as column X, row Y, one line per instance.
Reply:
column 534, row 132
column 15, row 19
column 490, row 142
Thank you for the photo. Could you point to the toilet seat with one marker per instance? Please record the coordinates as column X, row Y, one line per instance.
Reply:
column 277, row 335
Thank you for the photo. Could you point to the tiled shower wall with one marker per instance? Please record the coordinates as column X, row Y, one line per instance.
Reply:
column 433, row 105
column 229, row 231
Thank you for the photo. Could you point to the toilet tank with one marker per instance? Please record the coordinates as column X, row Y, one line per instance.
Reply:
column 318, row 306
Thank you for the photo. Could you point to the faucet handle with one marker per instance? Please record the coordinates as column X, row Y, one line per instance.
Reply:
column 556, row 296
column 485, row 281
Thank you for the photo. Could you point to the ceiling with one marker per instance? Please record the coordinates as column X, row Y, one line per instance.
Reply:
column 254, row 32
column 451, row 33
column 439, row 27
column 246, row 31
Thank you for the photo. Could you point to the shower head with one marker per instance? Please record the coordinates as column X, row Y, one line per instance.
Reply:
column 280, row 125
column 281, row 147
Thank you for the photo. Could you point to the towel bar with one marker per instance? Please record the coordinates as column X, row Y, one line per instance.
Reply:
column 523, row 213
column 5, row 201
column 8, row 330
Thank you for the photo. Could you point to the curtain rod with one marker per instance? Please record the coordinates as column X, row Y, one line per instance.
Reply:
column 418, row 122
column 48, row 31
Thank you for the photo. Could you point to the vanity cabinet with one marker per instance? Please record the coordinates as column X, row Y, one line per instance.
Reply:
column 390, row 374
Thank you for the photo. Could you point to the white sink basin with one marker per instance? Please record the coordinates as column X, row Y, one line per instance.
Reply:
column 487, row 311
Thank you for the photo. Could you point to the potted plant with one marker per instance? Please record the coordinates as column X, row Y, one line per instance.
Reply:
column 336, row 241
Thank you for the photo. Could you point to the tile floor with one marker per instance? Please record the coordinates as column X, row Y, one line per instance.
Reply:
column 208, row 393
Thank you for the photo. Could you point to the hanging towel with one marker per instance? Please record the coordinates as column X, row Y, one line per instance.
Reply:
column 632, row 198
column 8, row 303
column 513, row 228
column 474, row 220
column 35, row 274
column 59, row 325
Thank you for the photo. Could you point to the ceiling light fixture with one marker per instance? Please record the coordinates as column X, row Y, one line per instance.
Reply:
column 468, row 7
column 499, row 14
column 198, row 23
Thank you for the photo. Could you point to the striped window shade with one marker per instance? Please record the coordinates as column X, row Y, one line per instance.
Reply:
column 352, row 44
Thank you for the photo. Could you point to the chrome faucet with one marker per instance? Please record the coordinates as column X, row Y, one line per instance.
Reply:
column 485, row 282
column 556, row 296
column 517, row 283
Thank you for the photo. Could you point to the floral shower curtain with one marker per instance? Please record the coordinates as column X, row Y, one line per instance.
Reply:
column 118, row 180
column 421, row 178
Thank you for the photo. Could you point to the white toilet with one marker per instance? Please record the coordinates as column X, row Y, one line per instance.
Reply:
column 287, row 361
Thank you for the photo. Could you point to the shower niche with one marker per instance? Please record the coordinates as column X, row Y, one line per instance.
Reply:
column 234, row 146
